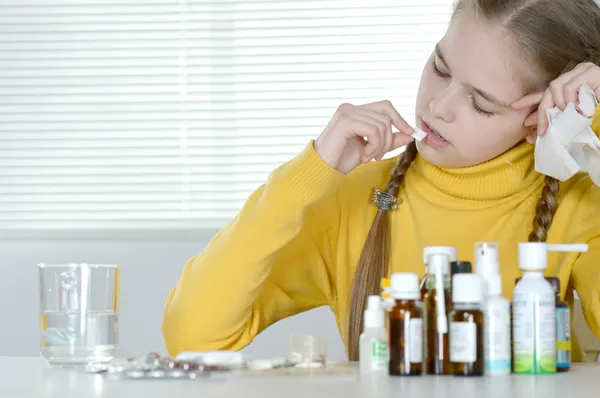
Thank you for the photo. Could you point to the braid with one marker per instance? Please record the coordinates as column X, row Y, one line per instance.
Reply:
column 544, row 211
column 409, row 155
column 373, row 261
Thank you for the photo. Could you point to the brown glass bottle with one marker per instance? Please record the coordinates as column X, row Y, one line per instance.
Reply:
column 437, row 361
column 437, row 350
column 406, row 327
column 466, row 326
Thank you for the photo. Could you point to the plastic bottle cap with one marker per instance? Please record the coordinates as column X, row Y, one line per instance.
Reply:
column 486, row 258
column 467, row 288
column 374, row 313
column 405, row 286
column 493, row 285
column 555, row 282
column 533, row 256
column 447, row 250
column 460, row 267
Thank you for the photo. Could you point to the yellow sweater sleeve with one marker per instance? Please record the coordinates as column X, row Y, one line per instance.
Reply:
column 275, row 259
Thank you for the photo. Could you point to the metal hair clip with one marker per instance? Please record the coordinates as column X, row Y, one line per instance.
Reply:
column 385, row 200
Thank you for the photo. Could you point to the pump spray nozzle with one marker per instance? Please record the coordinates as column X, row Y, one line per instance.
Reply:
column 449, row 251
column 533, row 256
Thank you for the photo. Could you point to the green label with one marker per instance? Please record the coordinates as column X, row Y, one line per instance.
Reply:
column 379, row 351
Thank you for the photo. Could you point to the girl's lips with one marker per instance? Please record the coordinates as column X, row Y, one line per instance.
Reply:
column 431, row 138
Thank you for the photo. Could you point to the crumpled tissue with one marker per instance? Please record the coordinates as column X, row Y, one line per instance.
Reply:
column 570, row 145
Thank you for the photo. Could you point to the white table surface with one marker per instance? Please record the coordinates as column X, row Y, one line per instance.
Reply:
column 33, row 378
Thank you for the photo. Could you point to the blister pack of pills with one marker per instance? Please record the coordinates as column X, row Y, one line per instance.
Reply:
column 155, row 366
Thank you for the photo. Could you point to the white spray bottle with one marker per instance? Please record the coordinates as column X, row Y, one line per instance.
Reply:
column 487, row 261
column 534, row 313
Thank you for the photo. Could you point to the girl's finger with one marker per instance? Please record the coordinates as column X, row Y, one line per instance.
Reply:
column 369, row 130
column 571, row 91
column 556, row 88
column 589, row 76
column 385, row 107
column 527, row 101
column 375, row 150
column 530, row 120
column 558, row 84
column 387, row 135
column 542, row 121
column 399, row 140
column 536, row 98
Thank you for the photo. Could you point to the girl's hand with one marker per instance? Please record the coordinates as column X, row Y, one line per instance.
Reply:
column 342, row 145
column 560, row 92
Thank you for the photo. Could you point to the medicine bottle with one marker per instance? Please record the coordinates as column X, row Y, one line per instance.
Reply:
column 406, row 326
column 466, row 326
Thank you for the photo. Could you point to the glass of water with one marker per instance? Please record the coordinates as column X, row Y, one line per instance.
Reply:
column 78, row 313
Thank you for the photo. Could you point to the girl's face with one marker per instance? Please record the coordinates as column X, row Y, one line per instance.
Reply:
column 465, row 94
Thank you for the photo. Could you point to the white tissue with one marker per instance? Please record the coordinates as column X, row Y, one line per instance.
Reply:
column 570, row 145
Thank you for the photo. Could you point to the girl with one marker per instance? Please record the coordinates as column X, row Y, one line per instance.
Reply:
column 311, row 235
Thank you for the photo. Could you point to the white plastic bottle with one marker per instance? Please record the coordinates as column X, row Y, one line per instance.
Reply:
column 373, row 342
column 496, row 328
column 534, row 313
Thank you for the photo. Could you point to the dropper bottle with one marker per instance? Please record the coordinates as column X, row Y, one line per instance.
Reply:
column 373, row 342
column 437, row 305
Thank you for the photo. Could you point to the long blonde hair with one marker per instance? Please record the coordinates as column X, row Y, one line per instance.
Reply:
column 552, row 35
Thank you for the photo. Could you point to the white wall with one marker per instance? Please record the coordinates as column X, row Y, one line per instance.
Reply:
column 149, row 269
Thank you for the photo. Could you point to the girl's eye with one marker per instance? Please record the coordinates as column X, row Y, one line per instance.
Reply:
column 438, row 72
column 478, row 109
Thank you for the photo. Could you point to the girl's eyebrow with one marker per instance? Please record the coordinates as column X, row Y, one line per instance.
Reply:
column 487, row 96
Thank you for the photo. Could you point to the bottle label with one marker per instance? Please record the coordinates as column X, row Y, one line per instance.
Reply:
column 425, row 330
column 463, row 342
column 534, row 334
column 379, row 354
column 497, row 337
column 563, row 338
column 415, row 341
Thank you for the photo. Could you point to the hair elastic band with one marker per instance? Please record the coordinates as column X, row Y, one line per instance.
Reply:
column 384, row 200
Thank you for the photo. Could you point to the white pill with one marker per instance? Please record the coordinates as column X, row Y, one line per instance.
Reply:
column 419, row 134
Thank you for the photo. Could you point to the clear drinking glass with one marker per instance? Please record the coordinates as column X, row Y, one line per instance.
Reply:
column 308, row 349
column 78, row 313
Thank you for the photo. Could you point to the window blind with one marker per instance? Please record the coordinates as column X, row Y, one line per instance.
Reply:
column 166, row 114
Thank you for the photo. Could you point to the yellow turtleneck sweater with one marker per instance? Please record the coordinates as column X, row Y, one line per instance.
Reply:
column 296, row 242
